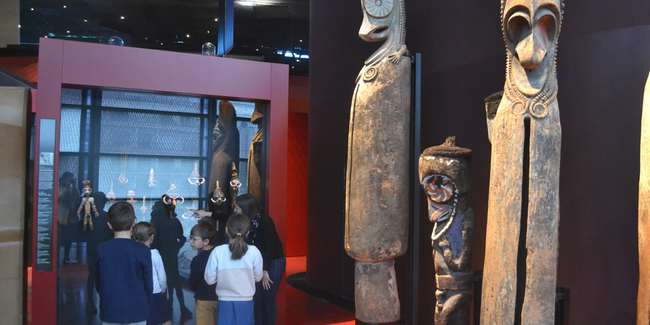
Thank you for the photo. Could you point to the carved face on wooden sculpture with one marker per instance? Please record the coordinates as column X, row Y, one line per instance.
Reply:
column 378, row 18
column 531, row 29
column 87, row 190
column 442, row 195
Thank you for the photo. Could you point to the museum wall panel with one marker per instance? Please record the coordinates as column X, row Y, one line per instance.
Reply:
column 603, row 62
column 296, row 244
column 13, row 174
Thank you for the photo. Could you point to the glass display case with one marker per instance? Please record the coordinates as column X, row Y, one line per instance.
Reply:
column 134, row 133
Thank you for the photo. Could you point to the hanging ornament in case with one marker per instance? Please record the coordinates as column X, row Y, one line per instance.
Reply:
column 143, row 208
column 131, row 195
column 189, row 214
column 195, row 178
column 151, row 182
column 173, row 195
column 111, row 195
column 123, row 158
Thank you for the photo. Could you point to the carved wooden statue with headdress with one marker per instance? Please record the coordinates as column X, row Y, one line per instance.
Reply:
column 377, row 182
column 523, row 208
column 87, row 203
column 225, row 146
column 445, row 176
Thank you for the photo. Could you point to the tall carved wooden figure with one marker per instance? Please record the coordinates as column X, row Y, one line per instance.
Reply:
column 445, row 177
column 523, row 208
column 377, row 182
column 643, row 300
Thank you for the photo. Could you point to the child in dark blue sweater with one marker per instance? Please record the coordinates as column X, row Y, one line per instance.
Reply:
column 124, row 276
column 202, row 237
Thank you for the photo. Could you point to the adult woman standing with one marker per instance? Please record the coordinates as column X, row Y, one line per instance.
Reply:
column 264, row 236
column 169, row 240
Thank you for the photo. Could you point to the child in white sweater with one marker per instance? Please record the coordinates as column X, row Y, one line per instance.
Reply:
column 235, row 267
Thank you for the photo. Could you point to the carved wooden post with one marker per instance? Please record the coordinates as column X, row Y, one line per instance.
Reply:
column 445, row 177
column 643, row 300
column 523, row 208
column 377, row 182
column 225, row 147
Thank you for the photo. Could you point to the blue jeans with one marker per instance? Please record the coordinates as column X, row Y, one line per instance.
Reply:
column 266, row 312
column 235, row 313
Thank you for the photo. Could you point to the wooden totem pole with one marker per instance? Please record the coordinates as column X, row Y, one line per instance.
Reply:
column 643, row 300
column 445, row 177
column 377, row 182
column 523, row 209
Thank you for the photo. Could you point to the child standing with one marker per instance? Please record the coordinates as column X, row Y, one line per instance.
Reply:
column 143, row 232
column 202, row 237
column 235, row 268
column 123, row 272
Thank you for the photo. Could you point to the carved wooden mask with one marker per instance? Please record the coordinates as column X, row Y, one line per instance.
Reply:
column 379, row 18
column 531, row 29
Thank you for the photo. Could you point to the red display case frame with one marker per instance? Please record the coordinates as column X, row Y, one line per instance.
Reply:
column 65, row 63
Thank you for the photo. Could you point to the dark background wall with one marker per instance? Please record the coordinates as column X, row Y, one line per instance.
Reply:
column 603, row 63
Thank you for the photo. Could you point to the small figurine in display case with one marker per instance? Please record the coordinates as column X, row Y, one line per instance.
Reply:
column 86, row 203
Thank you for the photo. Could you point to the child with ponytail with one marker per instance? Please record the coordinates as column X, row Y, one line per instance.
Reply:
column 235, row 267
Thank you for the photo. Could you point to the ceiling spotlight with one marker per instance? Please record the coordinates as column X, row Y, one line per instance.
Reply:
column 297, row 60
column 68, row 32
column 292, row 67
column 32, row 9
column 121, row 17
column 257, row 49
column 208, row 32
column 187, row 35
column 85, row 20
column 45, row 36
column 18, row 25
column 216, row 19
column 300, row 41
column 161, row 44
column 64, row 6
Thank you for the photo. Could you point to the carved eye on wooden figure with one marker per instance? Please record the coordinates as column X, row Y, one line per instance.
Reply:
column 442, row 195
column 379, row 8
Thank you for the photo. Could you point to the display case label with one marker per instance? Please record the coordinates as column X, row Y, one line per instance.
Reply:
column 45, row 196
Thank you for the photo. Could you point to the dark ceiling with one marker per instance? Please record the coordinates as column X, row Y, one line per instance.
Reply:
column 262, row 28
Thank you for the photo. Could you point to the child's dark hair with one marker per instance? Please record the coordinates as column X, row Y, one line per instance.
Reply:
column 236, row 228
column 121, row 216
column 142, row 231
column 206, row 231
column 249, row 205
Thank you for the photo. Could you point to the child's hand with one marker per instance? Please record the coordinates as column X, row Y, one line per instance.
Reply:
column 266, row 280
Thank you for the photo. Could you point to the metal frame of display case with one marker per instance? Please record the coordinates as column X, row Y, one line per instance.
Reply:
column 85, row 65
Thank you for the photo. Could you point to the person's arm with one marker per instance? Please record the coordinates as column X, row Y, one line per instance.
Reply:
column 179, row 233
column 97, row 271
column 202, row 213
column 257, row 267
column 210, row 274
column 147, row 272
column 270, row 242
column 196, row 274
column 159, row 268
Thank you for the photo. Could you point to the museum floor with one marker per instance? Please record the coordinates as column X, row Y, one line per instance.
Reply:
column 298, row 307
